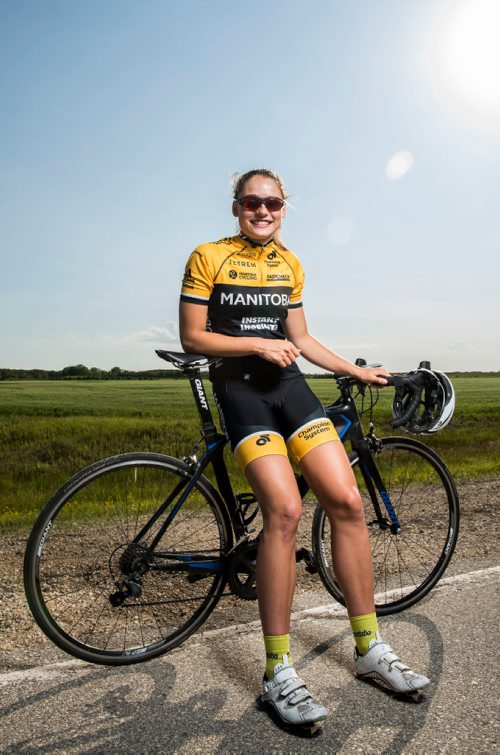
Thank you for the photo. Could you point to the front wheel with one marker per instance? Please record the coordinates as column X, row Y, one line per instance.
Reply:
column 406, row 565
column 107, row 594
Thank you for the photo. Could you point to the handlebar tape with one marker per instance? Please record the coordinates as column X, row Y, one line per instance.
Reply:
column 414, row 384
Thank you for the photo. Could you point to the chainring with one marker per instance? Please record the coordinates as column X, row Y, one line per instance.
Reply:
column 241, row 570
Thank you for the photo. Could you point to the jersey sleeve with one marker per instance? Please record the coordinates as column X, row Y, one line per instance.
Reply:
column 197, row 284
column 296, row 295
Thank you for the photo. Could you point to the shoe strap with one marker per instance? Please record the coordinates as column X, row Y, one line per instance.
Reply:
column 393, row 660
column 294, row 691
column 287, row 672
column 288, row 686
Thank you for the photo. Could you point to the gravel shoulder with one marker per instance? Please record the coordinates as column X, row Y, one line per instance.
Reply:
column 22, row 644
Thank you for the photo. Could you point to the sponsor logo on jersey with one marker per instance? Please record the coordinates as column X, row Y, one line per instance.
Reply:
column 259, row 323
column 272, row 260
column 241, row 263
column 247, row 276
column 247, row 253
column 188, row 281
column 277, row 277
column 252, row 300
column 233, row 274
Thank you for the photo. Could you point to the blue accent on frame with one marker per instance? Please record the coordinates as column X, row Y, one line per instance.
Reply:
column 194, row 564
column 337, row 417
column 211, row 565
column 388, row 505
column 346, row 428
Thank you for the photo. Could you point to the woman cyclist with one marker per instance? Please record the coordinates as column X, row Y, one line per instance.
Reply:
column 241, row 301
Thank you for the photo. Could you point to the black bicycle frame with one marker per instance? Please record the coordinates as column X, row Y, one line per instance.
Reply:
column 215, row 443
column 345, row 417
column 215, row 446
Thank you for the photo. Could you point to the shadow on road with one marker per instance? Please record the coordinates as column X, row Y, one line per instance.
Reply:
column 131, row 709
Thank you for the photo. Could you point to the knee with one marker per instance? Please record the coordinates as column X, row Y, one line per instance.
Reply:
column 347, row 506
column 283, row 522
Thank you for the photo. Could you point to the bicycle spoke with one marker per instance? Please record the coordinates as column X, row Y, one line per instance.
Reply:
column 408, row 563
column 87, row 558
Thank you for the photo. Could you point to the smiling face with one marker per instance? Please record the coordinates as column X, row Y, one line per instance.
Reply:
column 259, row 225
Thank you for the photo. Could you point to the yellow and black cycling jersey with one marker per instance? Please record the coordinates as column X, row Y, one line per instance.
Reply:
column 248, row 289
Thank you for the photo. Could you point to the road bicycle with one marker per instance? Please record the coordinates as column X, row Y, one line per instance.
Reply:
column 132, row 554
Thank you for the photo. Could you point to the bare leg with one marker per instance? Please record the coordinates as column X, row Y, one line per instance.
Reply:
column 273, row 482
column 328, row 472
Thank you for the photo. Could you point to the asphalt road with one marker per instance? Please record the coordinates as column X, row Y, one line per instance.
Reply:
column 201, row 697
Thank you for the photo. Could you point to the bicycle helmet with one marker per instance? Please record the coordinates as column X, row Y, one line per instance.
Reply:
column 434, row 406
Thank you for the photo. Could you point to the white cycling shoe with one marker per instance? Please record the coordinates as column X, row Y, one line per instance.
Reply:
column 288, row 695
column 382, row 665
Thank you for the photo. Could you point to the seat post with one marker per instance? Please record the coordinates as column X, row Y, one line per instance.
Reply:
column 201, row 401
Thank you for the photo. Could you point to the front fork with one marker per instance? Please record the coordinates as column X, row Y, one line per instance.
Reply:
column 366, row 449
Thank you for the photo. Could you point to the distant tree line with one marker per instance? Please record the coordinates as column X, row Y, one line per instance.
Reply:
column 81, row 372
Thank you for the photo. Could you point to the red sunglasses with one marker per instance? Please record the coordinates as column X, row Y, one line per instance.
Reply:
column 252, row 202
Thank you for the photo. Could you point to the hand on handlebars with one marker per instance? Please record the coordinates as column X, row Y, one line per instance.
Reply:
column 373, row 375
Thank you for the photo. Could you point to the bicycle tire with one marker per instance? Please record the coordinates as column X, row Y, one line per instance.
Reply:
column 72, row 562
column 406, row 565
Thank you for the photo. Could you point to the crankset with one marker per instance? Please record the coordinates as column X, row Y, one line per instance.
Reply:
column 241, row 570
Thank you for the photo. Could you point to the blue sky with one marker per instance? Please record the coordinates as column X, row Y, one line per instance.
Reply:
column 122, row 123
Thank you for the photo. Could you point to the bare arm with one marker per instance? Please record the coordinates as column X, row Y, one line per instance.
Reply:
column 196, row 339
column 320, row 355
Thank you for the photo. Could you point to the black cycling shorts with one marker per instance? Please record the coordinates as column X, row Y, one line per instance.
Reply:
column 260, row 419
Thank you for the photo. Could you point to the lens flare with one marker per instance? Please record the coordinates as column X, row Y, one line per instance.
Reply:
column 399, row 165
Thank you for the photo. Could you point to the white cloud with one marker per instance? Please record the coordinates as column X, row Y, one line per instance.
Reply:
column 399, row 165
column 156, row 333
column 457, row 346
column 150, row 334
column 340, row 230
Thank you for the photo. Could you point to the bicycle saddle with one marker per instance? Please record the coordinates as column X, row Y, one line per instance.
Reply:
column 182, row 360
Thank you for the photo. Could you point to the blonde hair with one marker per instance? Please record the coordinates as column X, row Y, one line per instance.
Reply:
column 239, row 180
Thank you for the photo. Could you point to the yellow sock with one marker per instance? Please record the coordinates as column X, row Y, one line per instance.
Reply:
column 277, row 646
column 365, row 629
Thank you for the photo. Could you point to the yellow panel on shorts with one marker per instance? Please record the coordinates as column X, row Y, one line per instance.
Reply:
column 259, row 444
column 309, row 436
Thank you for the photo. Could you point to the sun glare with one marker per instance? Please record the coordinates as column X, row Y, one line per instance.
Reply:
column 468, row 54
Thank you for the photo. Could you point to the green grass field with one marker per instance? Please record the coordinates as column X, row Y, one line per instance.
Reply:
column 51, row 429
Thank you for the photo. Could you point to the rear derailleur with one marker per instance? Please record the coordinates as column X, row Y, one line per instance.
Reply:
column 133, row 563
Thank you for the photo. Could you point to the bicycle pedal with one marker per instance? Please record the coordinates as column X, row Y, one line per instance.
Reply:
column 305, row 555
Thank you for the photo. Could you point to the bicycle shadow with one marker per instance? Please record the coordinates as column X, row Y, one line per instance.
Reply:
column 134, row 709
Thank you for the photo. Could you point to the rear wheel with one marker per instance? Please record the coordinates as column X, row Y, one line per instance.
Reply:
column 104, row 595
column 422, row 492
